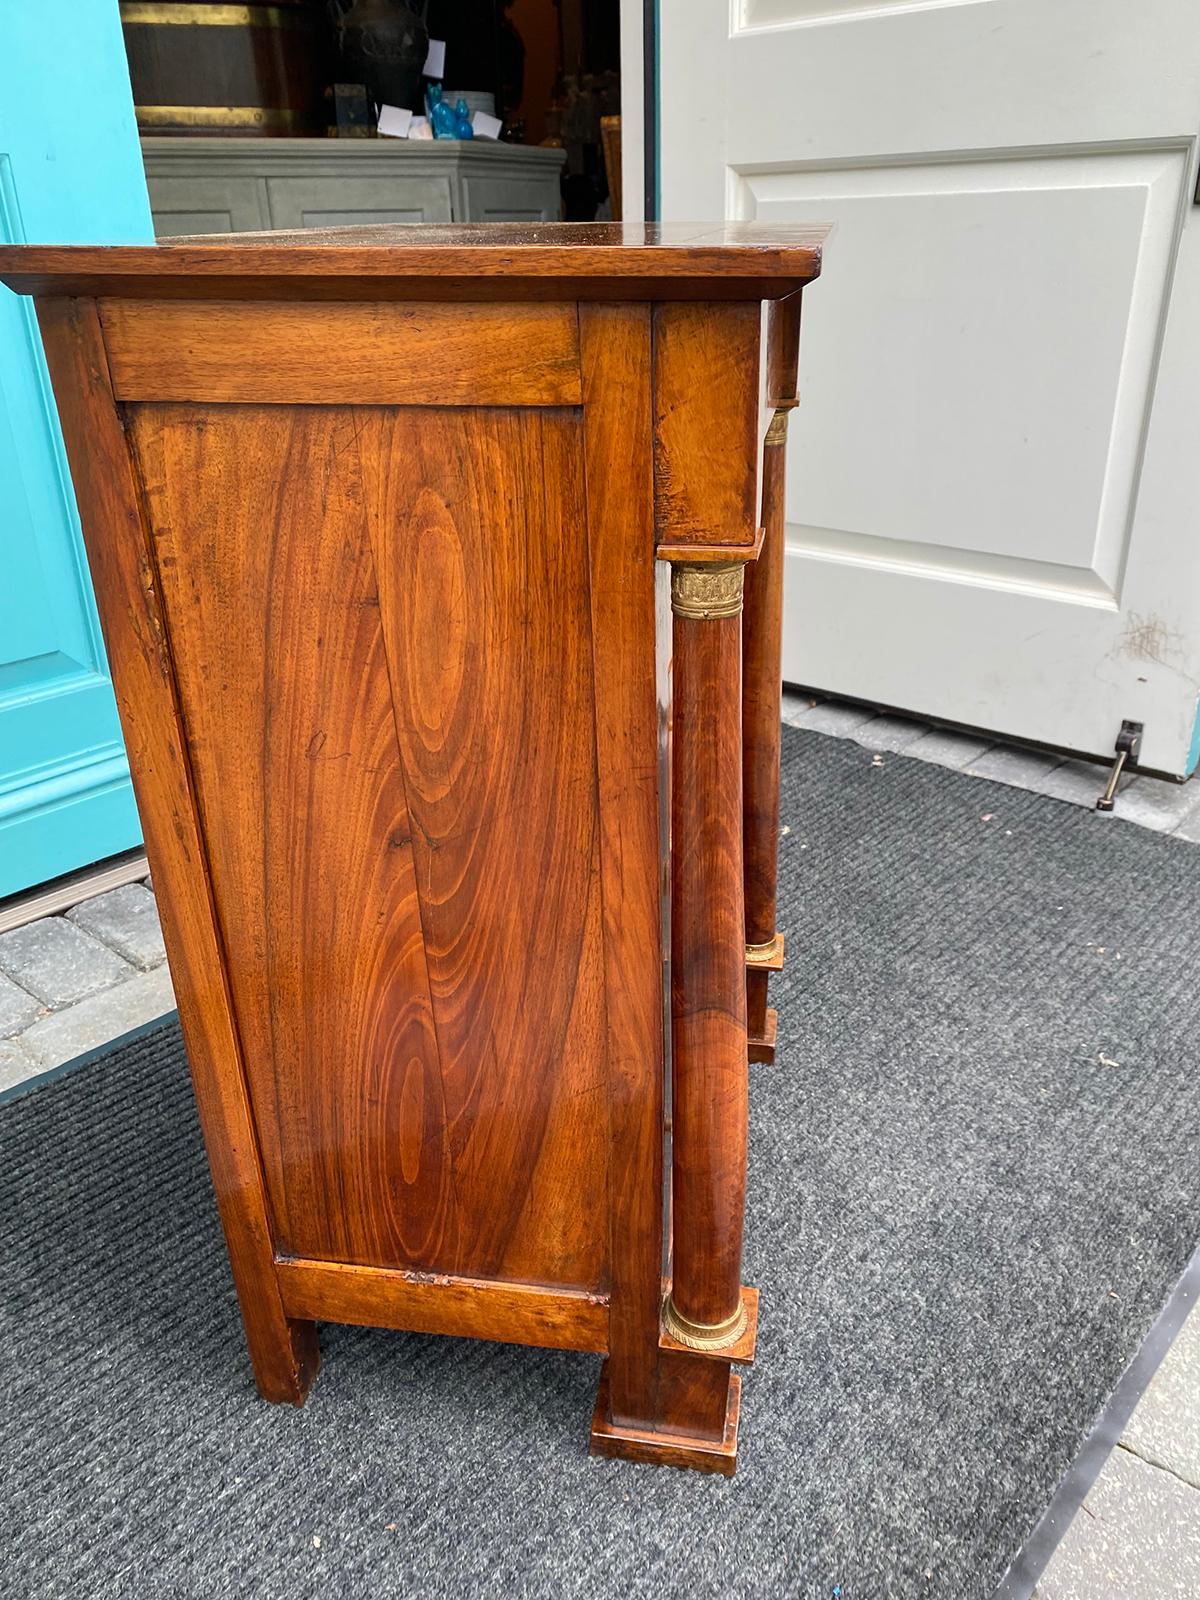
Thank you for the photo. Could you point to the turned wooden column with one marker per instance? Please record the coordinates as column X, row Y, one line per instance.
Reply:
column 708, row 993
column 762, row 648
column 762, row 638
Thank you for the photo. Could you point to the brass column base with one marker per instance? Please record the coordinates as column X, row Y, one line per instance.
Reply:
column 704, row 1335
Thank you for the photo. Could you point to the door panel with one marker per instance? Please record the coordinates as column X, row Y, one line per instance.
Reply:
column 990, row 494
column 351, row 202
column 207, row 205
column 74, row 175
column 509, row 200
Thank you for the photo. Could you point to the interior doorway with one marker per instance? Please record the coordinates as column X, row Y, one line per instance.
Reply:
column 570, row 93
column 319, row 112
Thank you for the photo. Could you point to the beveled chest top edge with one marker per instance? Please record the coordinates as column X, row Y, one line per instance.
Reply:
column 481, row 261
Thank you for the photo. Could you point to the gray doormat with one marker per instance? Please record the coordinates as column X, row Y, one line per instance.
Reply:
column 973, row 1184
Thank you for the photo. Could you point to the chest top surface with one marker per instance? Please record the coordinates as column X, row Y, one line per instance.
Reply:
column 493, row 261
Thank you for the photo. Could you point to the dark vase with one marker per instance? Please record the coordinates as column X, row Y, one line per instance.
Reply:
column 384, row 45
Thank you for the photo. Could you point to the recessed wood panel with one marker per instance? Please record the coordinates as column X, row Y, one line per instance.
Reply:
column 321, row 354
column 391, row 723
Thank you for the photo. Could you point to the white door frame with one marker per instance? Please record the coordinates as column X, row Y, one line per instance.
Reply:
column 639, row 99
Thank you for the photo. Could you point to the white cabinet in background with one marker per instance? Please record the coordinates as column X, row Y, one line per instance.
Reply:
column 211, row 185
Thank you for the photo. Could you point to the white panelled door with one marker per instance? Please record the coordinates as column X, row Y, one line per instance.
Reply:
column 994, row 478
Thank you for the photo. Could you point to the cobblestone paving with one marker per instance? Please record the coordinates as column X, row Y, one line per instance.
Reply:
column 70, row 983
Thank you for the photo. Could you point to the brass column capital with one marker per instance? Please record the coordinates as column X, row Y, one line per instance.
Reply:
column 706, row 590
column 777, row 429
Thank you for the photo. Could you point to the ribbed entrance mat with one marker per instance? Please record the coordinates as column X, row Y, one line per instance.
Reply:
column 973, row 1184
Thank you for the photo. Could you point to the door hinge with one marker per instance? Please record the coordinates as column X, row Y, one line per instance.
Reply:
column 1129, row 742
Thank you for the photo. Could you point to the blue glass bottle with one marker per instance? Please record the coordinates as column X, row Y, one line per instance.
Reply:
column 441, row 118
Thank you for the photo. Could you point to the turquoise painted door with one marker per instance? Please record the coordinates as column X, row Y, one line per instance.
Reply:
column 70, row 172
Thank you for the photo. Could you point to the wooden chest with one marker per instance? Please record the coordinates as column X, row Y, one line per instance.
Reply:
column 440, row 575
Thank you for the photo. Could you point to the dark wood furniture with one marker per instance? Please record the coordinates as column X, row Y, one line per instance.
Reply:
column 202, row 66
column 376, row 520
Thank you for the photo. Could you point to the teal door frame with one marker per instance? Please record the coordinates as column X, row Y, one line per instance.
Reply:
column 70, row 173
